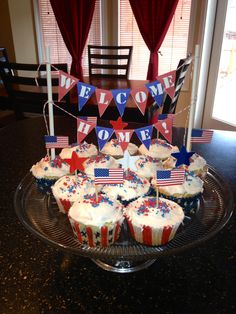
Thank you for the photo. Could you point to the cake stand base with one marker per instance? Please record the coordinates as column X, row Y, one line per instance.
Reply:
column 123, row 266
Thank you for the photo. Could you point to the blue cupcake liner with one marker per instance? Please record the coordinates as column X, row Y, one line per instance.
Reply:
column 44, row 185
column 189, row 204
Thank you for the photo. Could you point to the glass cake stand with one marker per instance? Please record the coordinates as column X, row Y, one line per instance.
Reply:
column 40, row 215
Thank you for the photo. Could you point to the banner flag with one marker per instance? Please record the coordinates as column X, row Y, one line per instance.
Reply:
column 121, row 97
column 124, row 137
column 145, row 135
column 85, row 91
column 66, row 83
column 104, row 97
column 103, row 135
column 168, row 82
column 140, row 97
column 83, row 129
column 157, row 91
column 165, row 128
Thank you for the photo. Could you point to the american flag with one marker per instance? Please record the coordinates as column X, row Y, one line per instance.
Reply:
column 90, row 119
column 109, row 176
column 56, row 141
column 170, row 177
column 201, row 136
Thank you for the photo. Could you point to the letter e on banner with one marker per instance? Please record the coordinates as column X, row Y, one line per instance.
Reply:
column 168, row 81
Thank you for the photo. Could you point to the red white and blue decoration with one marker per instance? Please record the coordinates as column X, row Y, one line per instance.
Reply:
column 75, row 162
column 83, row 129
column 170, row 177
column 182, row 157
column 120, row 97
column 108, row 176
column 145, row 135
column 201, row 136
column 103, row 135
column 85, row 91
column 66, row 83
column 56, row 141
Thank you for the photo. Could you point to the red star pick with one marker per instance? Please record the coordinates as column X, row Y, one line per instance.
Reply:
column 75, row 162
column 119, row 124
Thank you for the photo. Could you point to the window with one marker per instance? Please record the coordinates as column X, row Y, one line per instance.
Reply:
column 173, row 49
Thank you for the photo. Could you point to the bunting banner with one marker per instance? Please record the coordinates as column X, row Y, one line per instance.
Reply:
column 66, row 83
column 103, row 135
column 140, row 97
column 89, row 119
column 124, row 137
column 85, row 91
column 83, row 129
column 121, row 97
column 157, row 92
column 168, row 82
column 103, row 97
column 145, row 135
column 165, row 128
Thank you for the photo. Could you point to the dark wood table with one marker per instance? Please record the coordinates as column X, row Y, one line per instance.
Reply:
column 37, row 278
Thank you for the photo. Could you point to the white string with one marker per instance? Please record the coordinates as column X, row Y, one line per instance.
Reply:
column 185, row 127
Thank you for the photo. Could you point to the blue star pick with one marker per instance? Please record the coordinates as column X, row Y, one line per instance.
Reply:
column 182, row 157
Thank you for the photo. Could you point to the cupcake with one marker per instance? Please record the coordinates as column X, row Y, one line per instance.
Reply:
column 159, row 149
column 99, row 161
column 96, row 223
column 82, row 150
column 46, row 172
column 197, row 166
column 186, row 195
column 133, row 187
column 148, row 166
column 151, row 224
column 114, row 149
column 69, row 188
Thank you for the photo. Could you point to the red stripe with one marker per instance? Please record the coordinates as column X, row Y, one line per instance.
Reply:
column 90, row 236
column 66, row 204
column 147, row 235
column 104, row 239
column 166, row 234
column 78, row 232
column 117, row 231
column 130, row 227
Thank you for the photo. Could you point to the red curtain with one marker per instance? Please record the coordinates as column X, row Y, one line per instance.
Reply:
column 153, row 18
column 74, row 19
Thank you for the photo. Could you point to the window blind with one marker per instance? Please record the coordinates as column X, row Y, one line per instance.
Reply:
column 174, row 46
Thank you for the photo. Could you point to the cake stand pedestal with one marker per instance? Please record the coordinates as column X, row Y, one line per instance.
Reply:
column 40, row 215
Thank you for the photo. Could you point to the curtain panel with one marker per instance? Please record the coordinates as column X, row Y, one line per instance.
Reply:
column 153, row 18
column 74, row 19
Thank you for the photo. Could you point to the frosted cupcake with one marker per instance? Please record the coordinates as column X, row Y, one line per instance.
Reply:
column 186, row 194
column 197, row 167
column 69, row 188
column 96, row 223
column 148, row 166
column 99, row 161
column 82, row 150
column 114, row 149
column 152, row 225
column 133, row 187
column 159, row 149
column 46, row 172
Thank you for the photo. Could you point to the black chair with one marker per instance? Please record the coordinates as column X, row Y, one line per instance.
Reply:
column 109, row 61
column 170, row 104
column 26, row 86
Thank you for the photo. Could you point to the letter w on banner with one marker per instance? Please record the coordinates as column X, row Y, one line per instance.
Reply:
column 124, row 137
column 66, row 83
column 83, row 129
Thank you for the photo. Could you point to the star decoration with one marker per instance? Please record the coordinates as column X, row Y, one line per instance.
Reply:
column 75, row 162
column 128, row 162
column 119, row 124
column 182, row 157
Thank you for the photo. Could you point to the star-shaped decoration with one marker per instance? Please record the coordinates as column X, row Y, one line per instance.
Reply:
column 128, row 162
column 75, row 162
column 119, row 124
column 182, row 157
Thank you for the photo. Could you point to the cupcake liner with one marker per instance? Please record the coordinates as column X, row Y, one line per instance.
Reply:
column 93, row 236
column 188, row 204
column 63, row 204
column 152, row 236
column 126, row 202
column 44, row 185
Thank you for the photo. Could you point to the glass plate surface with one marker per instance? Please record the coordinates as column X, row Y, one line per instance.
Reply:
column 40, row 215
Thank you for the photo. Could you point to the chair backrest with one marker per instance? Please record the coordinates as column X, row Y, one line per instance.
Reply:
column 109, row 61
column 3, row 54
column 26, row 85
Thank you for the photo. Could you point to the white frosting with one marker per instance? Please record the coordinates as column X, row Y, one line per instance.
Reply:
column 100, row 161
column 50, row 169
column 191, row 186
column 89, row 212
column 159, row 149
column 197, row 163
column 82, row 150
column 144, row 212
column 147, row 166
column 133, row 187
column 113, row 148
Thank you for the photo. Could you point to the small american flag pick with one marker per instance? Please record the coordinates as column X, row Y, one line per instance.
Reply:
column 90, row 119
column 56, row 141
column 170, row 177
column 201, row 136
column 109, row 176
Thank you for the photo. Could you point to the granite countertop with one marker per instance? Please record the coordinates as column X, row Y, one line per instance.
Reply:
column 37, row 278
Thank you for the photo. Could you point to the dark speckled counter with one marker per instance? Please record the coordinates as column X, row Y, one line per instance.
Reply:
column 37, row 278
